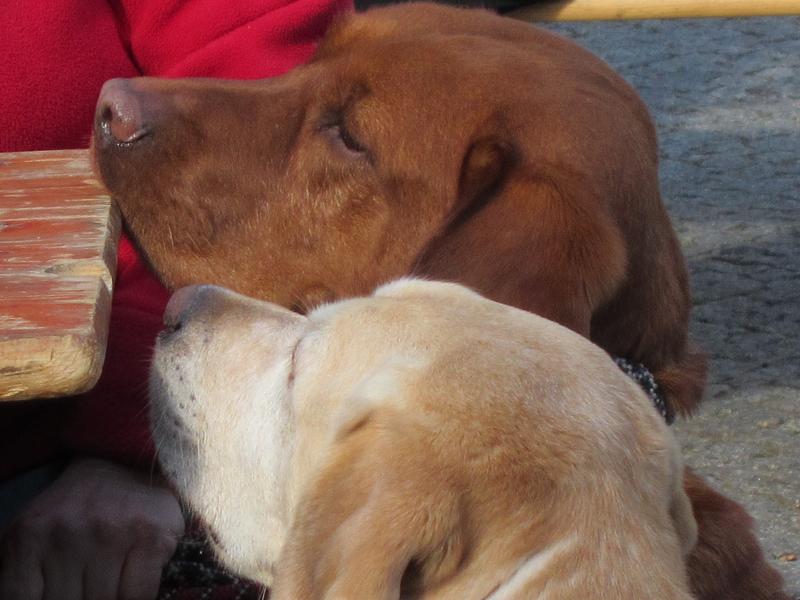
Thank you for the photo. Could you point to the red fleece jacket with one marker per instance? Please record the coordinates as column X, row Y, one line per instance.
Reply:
column 56, row 56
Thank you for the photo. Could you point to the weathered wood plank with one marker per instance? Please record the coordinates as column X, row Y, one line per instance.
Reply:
column 58, row 238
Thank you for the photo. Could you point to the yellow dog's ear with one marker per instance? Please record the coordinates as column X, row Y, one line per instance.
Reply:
column 379, row 517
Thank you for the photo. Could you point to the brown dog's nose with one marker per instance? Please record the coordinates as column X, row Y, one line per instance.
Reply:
column 119, row 114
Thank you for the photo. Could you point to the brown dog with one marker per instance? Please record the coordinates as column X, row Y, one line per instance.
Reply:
column 434, row 141
column 423, row 442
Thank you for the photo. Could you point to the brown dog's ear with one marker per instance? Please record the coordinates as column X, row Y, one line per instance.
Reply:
column 482, row 171
column 540, row 240
column 379, row 517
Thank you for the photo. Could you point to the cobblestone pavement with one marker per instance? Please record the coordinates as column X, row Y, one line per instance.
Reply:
column 726, row 97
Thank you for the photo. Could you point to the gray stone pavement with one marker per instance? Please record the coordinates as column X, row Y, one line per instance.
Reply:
column 726, row 97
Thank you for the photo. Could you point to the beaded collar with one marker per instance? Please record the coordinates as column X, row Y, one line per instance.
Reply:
column 641, row 375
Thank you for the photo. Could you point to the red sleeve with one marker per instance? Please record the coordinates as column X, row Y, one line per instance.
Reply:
column 215, row 38
column 237, row 39
column 54, row 57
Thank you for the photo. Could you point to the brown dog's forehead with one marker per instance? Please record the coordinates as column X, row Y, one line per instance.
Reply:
column 439, row 65
column 416, row 19
column 413, row 34
column 446, row 74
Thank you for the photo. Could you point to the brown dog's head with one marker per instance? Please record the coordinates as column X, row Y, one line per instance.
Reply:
column 424, row 140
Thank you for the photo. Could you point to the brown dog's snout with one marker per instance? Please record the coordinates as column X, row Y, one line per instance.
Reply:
column 119, row 116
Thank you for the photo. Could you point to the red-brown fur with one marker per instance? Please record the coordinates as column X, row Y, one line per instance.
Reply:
column 721, row 548
column 496, row 155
